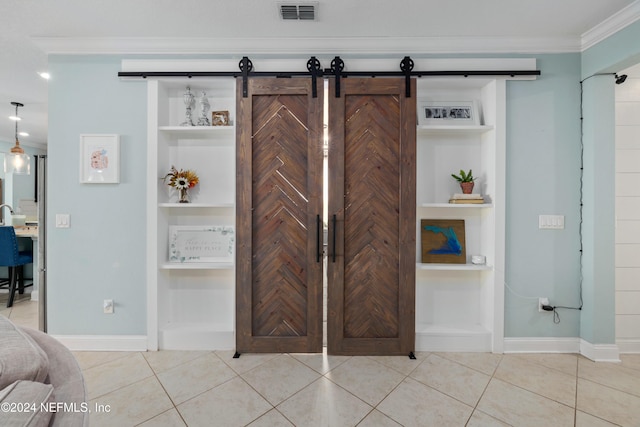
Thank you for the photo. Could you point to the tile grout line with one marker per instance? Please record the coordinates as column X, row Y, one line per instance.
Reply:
column 373, row 407
column 533, row 392
column 575, row 406
column 155, row 374
column 123, row 386
column 485, row 390
column 202, row 392
column 443, row 393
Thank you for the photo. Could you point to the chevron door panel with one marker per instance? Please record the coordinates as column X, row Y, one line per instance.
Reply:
column 279, row 197
column 372, row 194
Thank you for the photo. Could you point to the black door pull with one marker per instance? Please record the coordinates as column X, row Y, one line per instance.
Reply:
column 333, row 255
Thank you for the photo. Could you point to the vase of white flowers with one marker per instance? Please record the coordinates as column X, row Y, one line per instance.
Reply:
column 182, row 180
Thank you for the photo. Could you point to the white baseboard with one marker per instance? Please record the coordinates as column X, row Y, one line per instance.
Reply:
column 103, row 342
column 628, row 345
column 595, row 352
column 171, row 340
column 600, row 352
column 542, row 345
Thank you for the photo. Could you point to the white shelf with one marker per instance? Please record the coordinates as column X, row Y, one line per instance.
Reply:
column 453, row 267
column 197, row 131
column 178, row 293
column 456, row 205
column 460, row 307
column 178, row 326
column 197, row 266
column 196, row 336
column 436, row 130
column 451, row 329
column 196, row 205
column 453, row 338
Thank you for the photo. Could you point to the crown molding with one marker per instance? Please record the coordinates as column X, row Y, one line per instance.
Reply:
column 611, row 25
column 306, row 46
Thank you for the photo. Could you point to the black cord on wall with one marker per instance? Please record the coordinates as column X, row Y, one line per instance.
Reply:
column 619, row 80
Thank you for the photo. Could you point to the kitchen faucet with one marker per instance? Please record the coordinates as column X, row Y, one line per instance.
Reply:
column 5, row 205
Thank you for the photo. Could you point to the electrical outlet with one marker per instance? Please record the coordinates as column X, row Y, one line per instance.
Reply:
column 541, row 302
column 107, row 306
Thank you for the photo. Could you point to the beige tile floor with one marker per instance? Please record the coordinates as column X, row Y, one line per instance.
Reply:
column 200, row 388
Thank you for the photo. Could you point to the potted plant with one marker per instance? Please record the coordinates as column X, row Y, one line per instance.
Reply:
column 466, row 181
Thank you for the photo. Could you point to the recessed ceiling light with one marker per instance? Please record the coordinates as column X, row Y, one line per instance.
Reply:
column 23, row 133
column 15, row 118
column 45, row 75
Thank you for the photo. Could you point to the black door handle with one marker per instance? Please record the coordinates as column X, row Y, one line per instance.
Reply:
column 333, row 255
column 318, row 239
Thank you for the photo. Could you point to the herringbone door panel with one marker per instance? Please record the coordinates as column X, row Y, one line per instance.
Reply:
column 279, row 307
column 371, row 211
column 372, row 194
column 279, row 218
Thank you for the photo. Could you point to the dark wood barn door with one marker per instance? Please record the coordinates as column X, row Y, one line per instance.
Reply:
column 371, row 251
column 279, row 228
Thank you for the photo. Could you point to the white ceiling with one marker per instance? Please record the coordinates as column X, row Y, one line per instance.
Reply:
column 31, row 29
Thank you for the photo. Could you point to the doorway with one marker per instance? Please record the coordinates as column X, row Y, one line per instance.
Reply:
column 370, row 213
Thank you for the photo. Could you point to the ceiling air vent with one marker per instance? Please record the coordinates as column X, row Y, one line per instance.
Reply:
column 300, row 11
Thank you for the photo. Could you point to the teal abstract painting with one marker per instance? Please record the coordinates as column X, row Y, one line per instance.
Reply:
column 443, row 241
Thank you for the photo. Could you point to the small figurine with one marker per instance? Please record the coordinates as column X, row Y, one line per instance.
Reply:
column 189, row 101
column 203, row 120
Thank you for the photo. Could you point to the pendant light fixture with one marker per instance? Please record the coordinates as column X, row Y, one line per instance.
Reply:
column 17, row 161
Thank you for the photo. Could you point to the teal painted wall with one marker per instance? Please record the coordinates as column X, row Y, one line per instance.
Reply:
column 598, row 317
column 102, row 255
column 543, row 177
column 617, row 52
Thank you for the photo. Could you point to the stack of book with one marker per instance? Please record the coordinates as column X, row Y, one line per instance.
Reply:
column 466, row 199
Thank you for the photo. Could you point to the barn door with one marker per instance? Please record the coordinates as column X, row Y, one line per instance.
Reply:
column 279, row 208
column 371, row 252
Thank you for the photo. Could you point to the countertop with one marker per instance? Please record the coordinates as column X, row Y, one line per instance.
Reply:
column 27, row 231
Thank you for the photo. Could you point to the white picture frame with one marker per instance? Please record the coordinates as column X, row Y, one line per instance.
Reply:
column 448, row 113
column 201, row 243
column 100, row 158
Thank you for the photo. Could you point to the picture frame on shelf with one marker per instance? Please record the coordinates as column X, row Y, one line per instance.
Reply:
column 201, row 243
column 443, row 241
column 99, row 158
column 219, row 118
column 448, row 113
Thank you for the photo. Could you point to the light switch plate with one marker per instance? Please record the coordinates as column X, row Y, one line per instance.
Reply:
column 63, row 221
column 551, row 222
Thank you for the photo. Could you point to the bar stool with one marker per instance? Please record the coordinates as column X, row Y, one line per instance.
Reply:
column 14, row 259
